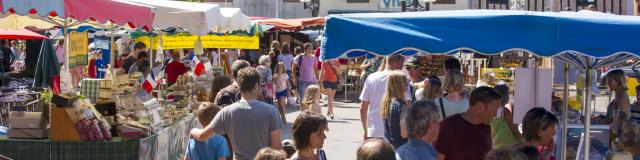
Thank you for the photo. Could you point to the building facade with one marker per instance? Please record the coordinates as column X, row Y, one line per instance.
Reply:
column 267, row 8
column 358, row 6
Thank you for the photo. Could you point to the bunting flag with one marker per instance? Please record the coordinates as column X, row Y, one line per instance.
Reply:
column 197, row 66
column 149, row 83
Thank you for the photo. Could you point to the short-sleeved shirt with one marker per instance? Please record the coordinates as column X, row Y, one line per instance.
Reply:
column 460, row 140
column 287, row 60
column 373, row 91
column 282, row 82
column 249, row 125
column 306, row 64
column 214, row 148
column 228, row 95
column 128, row 63
column 330, row 74
column 416, row 149
column 173, row 70
column 451, row 108
column 392, row 124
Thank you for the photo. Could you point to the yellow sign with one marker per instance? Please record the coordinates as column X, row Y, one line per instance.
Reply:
column 208, row 41
column 78, row 48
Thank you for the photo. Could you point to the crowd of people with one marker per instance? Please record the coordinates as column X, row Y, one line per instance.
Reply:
column 407, row 117
column 403, row 116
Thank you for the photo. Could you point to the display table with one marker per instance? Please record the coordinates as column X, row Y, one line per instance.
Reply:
column 168, row 143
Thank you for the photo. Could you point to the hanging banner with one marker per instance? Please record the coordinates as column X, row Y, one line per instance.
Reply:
column 208, row 41
column 78, row 48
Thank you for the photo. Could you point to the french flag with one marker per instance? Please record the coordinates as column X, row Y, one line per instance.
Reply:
column 149, row 83
column 197, row 66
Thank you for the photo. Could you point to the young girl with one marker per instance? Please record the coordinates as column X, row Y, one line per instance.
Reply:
column 281, row 79
column 311, row 100
column 393, row 103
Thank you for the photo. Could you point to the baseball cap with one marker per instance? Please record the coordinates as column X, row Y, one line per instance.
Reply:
column 413, row 62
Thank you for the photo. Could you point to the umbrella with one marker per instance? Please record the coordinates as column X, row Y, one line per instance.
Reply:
column 47, row 66
column 19, row 34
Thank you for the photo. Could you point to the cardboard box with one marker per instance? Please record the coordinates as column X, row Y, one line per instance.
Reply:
column 27, row 120
column 28, row 133
column 105, row 93
column 106, row 84
column 62, row 128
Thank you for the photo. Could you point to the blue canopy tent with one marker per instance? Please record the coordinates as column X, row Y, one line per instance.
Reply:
column 584, row 39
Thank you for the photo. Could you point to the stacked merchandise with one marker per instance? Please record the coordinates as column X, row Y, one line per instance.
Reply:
column 21, row 82
column 138, row 115
column 19, row 100
column 181, row 88
column 89, row 124
column 173, row 113
column 27, row 125
column 120, row 84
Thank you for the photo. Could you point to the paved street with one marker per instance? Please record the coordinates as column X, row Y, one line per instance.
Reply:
column 345, row 131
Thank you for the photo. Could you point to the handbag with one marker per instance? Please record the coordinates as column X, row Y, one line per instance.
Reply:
column 270, row 90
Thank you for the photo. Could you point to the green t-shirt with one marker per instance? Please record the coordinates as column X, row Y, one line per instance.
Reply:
column 501, row 135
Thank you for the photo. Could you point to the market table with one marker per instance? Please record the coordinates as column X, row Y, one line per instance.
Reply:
column 168, row 143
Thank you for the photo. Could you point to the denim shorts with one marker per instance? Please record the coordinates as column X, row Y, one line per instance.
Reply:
column 284, row 93
column 330, row 85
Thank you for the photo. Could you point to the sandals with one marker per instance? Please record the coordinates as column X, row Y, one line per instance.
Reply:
column 330, row 115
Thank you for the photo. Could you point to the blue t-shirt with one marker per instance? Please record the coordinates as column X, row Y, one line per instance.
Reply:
column 214, row 148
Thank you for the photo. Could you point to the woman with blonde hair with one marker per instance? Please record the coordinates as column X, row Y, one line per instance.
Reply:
column 620, row 108
column 453, row 102
column 393, row 103
column 311, row 100
column 430, row 92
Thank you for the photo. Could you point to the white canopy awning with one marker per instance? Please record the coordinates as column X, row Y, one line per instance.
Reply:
column 197, row 18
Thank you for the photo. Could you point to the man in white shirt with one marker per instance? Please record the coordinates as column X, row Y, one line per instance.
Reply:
column 371, row 96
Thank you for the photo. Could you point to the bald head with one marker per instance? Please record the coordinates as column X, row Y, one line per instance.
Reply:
column 376, row 149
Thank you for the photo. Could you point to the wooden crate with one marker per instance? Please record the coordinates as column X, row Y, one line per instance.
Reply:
column 62, row 127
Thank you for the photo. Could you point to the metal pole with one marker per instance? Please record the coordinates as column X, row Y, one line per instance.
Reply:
column 278, row 8
column 150, row 50
column 112, row 56
column 587, row 113
column 66, row 44
column 535, row 81
column 565, row 108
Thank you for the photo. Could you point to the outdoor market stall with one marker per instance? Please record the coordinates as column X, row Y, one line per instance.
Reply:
column 67, row 14
column 584, row 39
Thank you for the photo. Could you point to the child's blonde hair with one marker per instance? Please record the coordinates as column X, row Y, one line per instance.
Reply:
column 395, row 89
column 309, row 97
